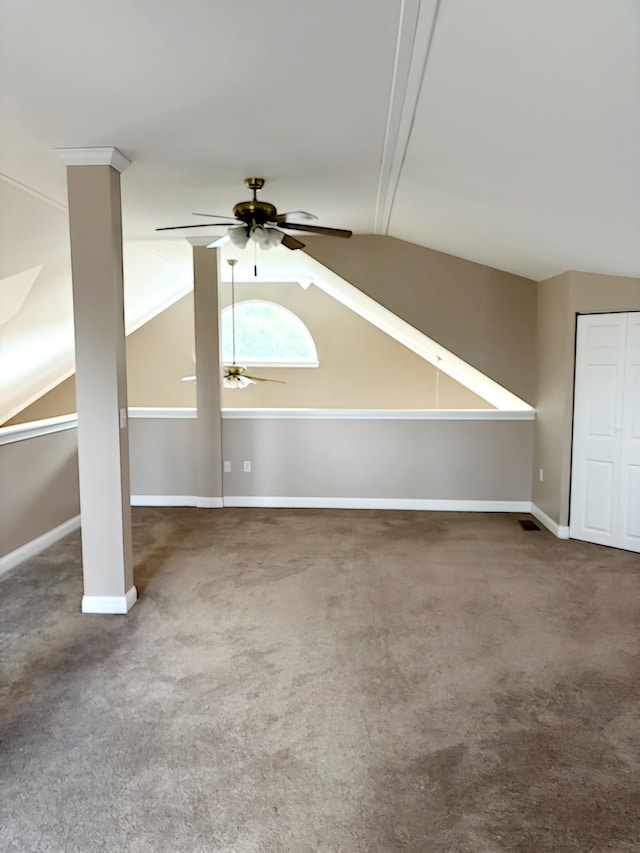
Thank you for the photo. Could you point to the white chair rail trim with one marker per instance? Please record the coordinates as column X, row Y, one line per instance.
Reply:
column 382, row 414
column 20, row 432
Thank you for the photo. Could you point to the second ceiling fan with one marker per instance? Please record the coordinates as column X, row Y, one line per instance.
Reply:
column 261, row 222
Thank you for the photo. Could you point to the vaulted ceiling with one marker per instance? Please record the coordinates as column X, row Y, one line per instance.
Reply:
column 503, row 132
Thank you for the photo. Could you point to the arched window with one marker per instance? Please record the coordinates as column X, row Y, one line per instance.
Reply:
column 267, row 333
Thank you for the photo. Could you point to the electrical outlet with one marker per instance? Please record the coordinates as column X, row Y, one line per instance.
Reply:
column 541, row 475
column 247, row 466
column 227, row 466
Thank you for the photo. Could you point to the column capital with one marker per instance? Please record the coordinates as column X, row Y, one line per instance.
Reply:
column 199, row 241
column 106, row 156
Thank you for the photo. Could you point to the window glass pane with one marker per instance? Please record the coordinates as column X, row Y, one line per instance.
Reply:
column 266, row 331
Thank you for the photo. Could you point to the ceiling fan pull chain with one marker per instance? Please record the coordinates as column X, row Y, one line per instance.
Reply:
column 232, row 264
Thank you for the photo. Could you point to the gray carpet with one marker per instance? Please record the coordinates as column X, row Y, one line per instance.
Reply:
column 325, row 681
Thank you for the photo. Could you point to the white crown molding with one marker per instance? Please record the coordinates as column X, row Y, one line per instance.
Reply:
column 117, row 604
column 106, row 156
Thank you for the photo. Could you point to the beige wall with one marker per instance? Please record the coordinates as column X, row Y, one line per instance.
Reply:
column 360, row 366
column 425, row 459
column 164, row 456
column 560, row 299
column 39, row 491
column 474, row 460
column 61, row 400
column 484, row 316
column 159, row 354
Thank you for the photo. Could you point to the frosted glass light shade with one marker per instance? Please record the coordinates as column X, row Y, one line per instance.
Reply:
column 234, row 382
column 239, row 236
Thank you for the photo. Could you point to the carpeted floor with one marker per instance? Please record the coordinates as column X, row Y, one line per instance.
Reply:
column 301, row 681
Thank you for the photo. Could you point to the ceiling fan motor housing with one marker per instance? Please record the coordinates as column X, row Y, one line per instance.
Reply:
column 255, row 212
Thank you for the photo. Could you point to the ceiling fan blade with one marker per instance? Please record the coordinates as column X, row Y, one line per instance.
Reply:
column 200, row 225
column 291, row 242
column 302, row 214
column 262, row 379
column 212, row 215
column 317, row 229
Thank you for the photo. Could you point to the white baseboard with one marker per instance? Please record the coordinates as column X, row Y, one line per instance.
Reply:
column 559, row 530
column 176, row 500
column 110, row 603
column 376, row 503
column 30, row 549
column 210, row 503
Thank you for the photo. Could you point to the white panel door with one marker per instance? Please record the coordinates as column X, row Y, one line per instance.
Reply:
column 629, row 514
column 597, row 428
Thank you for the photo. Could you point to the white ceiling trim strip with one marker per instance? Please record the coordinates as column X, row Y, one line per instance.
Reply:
column 13, row 183
column 415, row 36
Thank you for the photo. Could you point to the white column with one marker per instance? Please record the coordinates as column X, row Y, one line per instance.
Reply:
column 95, row 224
column 208, row 378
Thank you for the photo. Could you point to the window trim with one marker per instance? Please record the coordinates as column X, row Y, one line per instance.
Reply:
column 269, row 361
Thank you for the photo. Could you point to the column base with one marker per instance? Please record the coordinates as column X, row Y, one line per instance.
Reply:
column 110, row 603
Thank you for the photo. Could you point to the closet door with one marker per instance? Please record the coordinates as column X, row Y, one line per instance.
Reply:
column 629, row 515
column 597, row 428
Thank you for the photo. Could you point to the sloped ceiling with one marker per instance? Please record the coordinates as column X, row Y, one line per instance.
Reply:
column 36, row 328
column 506, row 133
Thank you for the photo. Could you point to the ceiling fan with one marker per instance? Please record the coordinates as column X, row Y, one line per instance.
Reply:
column 260, row 221
column 235, row 376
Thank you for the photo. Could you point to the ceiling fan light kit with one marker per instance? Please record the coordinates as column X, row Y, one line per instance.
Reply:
column 260, row 221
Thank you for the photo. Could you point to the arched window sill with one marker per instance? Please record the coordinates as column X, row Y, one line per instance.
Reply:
column 252, row 362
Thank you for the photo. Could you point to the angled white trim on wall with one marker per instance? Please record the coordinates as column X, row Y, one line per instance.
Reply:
column 30, row 549
column 406, row 334
column 20, row 432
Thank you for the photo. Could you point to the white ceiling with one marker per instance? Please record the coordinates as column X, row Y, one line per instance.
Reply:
column 517, row 147
column 504, row 132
